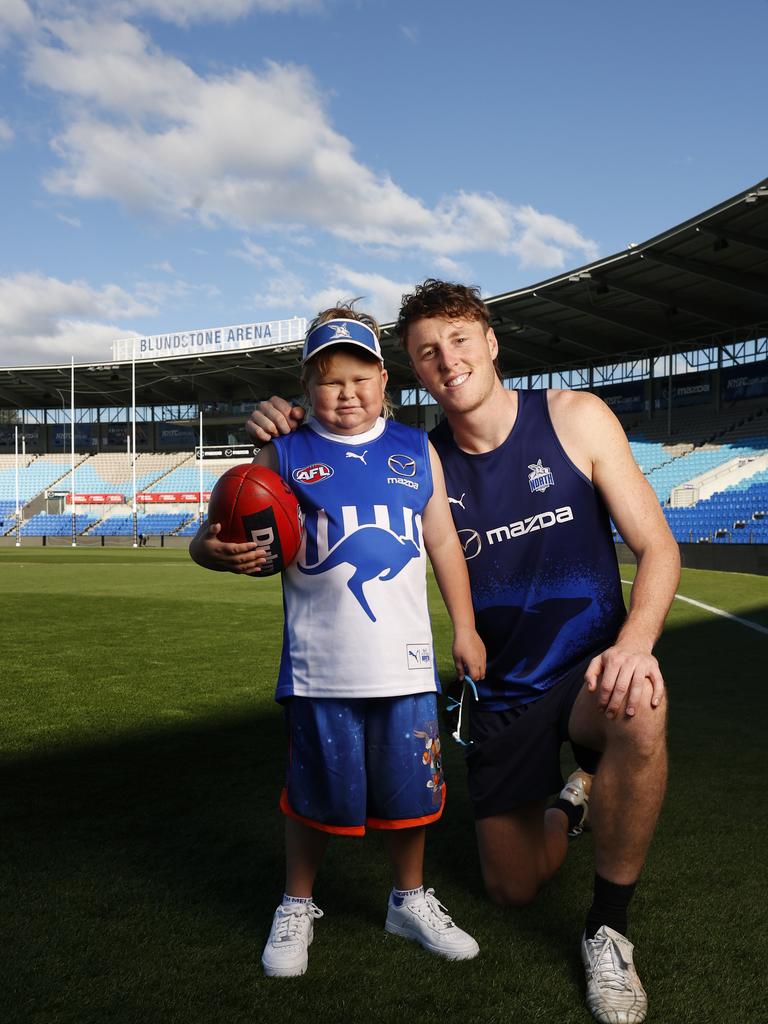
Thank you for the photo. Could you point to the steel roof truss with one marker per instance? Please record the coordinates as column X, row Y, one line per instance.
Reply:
column 614, row 317
column 670, row 300
column 751, row 283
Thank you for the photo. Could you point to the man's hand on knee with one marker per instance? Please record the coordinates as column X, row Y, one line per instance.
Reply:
column 618, row 678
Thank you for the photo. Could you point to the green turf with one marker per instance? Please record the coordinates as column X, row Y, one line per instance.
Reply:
column 140, row 855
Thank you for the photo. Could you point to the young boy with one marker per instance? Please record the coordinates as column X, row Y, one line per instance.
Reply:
column 358, row 676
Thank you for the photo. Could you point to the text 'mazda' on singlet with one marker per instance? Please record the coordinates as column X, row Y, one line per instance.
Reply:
column 356, row 616
column 542, row 563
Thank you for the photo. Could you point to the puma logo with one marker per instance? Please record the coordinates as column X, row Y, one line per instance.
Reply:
column 354, row 455
column 457, row 501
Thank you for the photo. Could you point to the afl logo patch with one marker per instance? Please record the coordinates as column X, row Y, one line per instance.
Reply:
column 470, row 543
column 312, row 474
column 403, row 465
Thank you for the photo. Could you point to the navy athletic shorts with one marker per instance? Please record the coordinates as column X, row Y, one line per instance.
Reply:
column 361, row 762
column 514, row 758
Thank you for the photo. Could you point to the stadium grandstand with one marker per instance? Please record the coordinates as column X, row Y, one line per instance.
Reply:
column 671, row 333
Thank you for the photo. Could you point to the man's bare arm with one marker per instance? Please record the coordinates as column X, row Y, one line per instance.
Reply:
column 619, row 674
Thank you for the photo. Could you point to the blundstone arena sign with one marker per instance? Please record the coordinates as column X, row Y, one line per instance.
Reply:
column 210, row 339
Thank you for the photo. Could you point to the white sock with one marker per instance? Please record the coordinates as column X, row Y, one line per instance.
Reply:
column 403, row 896
column 292, row 901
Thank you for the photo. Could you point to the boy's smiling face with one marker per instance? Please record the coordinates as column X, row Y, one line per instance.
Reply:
column 347, row 396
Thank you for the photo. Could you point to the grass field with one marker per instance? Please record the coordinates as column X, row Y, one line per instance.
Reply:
column 141, row 847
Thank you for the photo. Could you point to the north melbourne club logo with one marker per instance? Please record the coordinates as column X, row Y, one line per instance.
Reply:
column 340, row 331
column 540, row 477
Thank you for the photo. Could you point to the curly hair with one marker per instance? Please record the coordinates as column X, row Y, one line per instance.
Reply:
column 445, row 299
column 440, row 298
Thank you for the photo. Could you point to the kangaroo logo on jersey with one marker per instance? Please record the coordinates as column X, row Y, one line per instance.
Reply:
column 312, row 474
column 540, row 477
column 375, row 554
column 403, row 465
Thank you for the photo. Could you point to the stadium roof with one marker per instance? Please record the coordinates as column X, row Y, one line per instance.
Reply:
column 702, row 282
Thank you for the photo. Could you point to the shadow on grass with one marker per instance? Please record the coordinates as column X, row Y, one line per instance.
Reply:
column 139, row 874
column 191, row 810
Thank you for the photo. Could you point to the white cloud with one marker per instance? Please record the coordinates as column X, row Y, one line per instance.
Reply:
column 184, row 12
column 179, row 12
column 410, row 32
column 43, row 319
column 253, row 151
column 16, row 18
column 379, row 295
column 258, row 255
column 6, row 132
column 451, row 269
column 284, row 291
column 289, row 293
column 74, row 222
column 544, row 240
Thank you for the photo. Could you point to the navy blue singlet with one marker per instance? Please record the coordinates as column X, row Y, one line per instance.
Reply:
column 541, row 559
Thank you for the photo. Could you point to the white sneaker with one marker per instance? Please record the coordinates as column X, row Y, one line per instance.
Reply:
column 426, row 921
column 615, row 994
column 285, row 954
column 576, row 792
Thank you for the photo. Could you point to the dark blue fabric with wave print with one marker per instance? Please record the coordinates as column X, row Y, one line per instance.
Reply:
column 541, row 559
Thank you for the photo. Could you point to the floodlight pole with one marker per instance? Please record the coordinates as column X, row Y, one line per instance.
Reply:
column 200, row 468
column 18, row 510
column 133, row 443
column 72, row 451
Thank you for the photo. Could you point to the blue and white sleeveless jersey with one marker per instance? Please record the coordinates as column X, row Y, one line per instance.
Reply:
column 356, row 616
column 540, row 555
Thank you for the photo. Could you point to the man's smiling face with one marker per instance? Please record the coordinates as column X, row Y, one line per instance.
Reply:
column 453, row 359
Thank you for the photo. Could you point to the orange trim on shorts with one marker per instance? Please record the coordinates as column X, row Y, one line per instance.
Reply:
column 336, row 830
column 394, row 823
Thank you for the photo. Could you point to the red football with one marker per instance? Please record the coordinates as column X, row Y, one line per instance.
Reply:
column 253, row 503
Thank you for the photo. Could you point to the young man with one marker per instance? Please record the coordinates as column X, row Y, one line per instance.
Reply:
column 533, row 477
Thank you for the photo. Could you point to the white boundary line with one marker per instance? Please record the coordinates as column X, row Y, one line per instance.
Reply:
column 715, row 611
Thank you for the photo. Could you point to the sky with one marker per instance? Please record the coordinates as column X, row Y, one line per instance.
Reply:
column 170, row 165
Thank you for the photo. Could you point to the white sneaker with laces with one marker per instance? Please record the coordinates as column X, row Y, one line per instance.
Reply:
column 576, row 792
column 285, row 954
column 426, row 921
column 615, row 994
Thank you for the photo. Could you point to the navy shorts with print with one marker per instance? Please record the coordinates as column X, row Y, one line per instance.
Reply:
column 363, row 761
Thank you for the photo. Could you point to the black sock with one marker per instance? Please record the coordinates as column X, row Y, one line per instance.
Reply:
column 609, row 906
column 573, row 814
